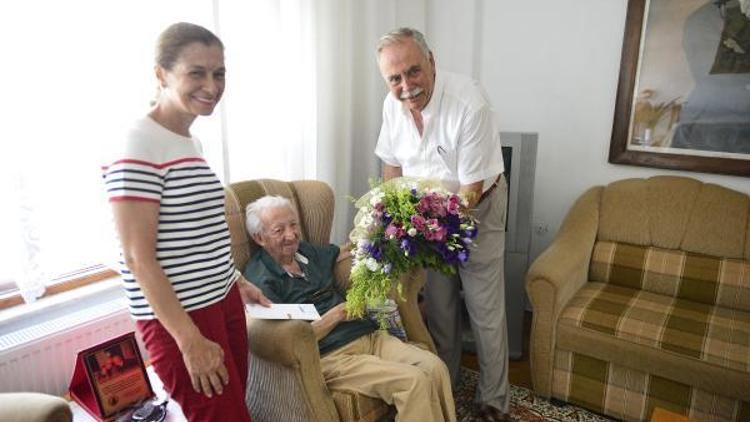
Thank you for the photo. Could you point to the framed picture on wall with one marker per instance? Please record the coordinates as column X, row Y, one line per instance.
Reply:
column 683, row 97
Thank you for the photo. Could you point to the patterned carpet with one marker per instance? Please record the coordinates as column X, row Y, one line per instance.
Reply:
column 524, row 405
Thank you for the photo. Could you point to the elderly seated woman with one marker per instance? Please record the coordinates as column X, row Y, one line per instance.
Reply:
column 355, row 355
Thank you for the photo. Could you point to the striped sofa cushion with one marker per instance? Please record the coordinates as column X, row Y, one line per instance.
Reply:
column 712, row 334
column 697, row 278
column 632, row 395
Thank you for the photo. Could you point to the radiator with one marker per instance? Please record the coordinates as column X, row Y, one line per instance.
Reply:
column 41, row 358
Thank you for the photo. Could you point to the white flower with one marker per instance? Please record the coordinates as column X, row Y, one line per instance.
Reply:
column 412, row 232
column 377, row 197
column 372, row 264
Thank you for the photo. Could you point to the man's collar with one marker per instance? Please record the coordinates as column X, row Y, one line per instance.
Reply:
column 274, row 267
column 433, row 106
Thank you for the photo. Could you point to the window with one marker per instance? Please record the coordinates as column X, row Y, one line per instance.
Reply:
column 75, row 74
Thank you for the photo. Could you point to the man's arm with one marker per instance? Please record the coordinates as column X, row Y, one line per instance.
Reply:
column 390, row 172
column 472, row 192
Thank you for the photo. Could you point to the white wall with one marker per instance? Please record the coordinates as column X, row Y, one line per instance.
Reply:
column 549, row 67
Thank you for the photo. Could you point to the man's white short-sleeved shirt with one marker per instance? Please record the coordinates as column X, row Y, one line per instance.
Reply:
column 460, row 143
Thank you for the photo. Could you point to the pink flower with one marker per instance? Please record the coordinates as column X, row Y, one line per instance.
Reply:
column 453, row 206
column 418, row 222
column 435, row 231
column 394, row 230
column 423, row 205
column 437, row 207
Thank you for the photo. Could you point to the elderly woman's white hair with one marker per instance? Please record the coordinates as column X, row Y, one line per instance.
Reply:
column 255, row 209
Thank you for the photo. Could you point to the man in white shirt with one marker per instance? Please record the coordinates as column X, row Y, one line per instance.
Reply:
column 440, row 125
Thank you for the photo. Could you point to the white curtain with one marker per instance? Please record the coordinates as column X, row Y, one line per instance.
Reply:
column 304, row 94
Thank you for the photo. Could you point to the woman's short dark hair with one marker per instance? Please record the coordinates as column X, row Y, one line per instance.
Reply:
column 176, row 37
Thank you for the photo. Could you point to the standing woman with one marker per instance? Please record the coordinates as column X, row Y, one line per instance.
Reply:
column 177, row 269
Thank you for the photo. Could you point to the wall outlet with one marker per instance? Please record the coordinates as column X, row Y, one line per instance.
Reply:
column 541, row 229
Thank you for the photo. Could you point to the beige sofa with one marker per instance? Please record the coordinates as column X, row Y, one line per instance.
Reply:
column 286, row 383
column 643, row 300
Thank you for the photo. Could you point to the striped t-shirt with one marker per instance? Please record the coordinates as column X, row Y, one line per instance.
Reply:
column 193, row 241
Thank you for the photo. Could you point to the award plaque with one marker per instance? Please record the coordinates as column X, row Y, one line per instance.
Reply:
column 110, row 377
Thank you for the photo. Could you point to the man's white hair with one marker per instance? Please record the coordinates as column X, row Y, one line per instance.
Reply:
column 255, row 210
column 397, row 36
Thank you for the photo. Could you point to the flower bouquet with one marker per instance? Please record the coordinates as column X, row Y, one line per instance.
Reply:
column 404, row 224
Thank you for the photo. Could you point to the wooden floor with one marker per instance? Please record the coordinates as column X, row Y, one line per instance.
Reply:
column 520, row 371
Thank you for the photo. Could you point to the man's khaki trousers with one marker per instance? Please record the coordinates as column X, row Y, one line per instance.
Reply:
column 378, row 365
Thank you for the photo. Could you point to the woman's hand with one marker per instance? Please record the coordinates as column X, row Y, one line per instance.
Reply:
column 250, row 293
column 204, row 360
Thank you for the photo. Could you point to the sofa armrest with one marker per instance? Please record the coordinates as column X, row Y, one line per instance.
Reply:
column 34, row 407
column 292, row 344
column 553, row 279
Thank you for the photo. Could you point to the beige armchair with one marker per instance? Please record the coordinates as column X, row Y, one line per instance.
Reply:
column 285, row 382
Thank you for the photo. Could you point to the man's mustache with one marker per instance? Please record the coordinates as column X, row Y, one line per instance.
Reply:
column 407, row 95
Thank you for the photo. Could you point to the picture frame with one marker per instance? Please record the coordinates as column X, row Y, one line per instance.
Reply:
column 110, row 377
column 683, row 96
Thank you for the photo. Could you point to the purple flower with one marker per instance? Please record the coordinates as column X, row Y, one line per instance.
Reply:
column 408, row 247
column 375, row 252
column 463, row 256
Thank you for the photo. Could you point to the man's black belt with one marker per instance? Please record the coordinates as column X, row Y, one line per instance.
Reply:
column 492, row 187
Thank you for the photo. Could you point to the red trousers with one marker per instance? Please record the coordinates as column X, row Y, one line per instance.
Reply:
column 223, row 323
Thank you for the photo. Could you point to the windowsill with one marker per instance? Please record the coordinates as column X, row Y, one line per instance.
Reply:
column 47, row 308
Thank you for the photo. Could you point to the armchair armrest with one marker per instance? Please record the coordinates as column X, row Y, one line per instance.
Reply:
column 34, row 407
column 553, row 279
column 292, row 344
column 281, row 341
column 416, row 331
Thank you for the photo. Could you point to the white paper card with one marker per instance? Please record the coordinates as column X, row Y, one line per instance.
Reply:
column 304, row 311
